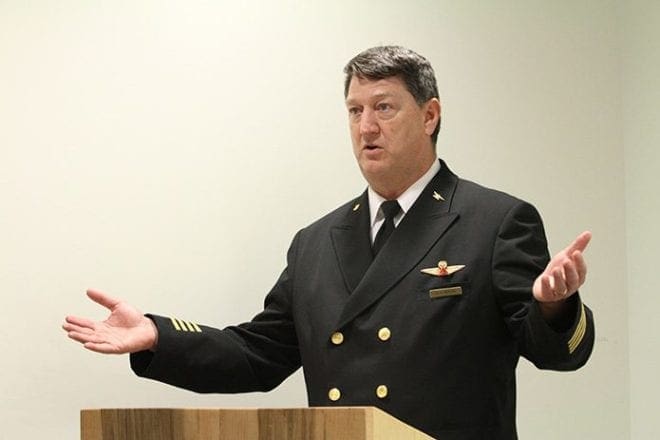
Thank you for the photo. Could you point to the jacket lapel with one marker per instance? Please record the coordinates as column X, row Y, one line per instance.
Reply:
column 352, row 243
column 420, row 229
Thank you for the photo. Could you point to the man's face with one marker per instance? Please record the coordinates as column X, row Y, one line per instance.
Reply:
column 391, row 133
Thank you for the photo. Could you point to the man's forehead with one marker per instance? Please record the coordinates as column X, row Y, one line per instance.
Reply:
column 361, row 88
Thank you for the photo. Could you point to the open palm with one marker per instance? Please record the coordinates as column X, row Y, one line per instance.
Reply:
column 126, row 330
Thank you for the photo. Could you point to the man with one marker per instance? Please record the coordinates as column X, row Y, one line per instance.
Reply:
column 417, row 297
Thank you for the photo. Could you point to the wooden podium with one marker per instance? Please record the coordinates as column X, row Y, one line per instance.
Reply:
column 349, row 423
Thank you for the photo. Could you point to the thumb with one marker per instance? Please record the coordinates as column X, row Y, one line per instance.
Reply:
column 103, row 299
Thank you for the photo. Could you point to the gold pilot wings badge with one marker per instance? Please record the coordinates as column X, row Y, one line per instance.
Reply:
column 443, row 270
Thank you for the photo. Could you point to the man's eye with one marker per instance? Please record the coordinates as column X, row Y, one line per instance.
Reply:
column 383, row 107
column 354, row 111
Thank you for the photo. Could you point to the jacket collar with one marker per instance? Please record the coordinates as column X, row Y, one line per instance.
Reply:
column 370, row 278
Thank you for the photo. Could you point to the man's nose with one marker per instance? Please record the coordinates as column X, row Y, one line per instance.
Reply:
column 368, row 123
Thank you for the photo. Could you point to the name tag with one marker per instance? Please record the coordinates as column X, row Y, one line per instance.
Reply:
column 446, row 291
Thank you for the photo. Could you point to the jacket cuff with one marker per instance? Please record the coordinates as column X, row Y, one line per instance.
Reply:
column 572, row 325
column 168, row 328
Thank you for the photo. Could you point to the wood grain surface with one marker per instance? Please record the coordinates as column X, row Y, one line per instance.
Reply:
column 351, row 423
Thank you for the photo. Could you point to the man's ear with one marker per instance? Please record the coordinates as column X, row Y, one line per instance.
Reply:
column 431, row 115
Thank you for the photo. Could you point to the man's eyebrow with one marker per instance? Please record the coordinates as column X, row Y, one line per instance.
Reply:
column 375, row 96
column 383, row 95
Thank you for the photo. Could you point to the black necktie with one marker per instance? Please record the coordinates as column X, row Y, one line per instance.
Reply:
column 390, row 209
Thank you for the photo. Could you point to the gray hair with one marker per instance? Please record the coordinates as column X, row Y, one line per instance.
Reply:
column 386, row 61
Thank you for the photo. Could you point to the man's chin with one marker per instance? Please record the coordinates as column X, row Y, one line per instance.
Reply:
column 373, row 169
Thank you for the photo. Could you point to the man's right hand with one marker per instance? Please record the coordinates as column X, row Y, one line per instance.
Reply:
column 126, row 330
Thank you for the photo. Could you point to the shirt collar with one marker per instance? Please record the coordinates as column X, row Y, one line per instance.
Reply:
column 406, row 199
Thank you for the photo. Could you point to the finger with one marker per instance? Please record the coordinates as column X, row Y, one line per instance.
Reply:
column 75, row 328
column 580, row 243
column 103, row 299
column 545, row 293
column 546, row 285
column 580, row 266
column 79, row 321
column 559, row 285
column 572, row 277
column 82, row 336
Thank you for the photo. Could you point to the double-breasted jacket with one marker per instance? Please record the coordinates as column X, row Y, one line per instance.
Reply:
column 437, row 350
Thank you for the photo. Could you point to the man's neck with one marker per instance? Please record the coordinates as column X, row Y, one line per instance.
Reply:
column 391, row 190
column 408, row 197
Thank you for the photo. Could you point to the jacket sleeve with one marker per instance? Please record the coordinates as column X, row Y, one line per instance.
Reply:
column 520, row 254
column 254, row 356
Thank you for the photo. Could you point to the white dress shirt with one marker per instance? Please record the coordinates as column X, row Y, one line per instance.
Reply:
column 406, row 200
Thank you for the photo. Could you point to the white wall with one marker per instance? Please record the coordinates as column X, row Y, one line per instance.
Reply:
column 641, row 81
column 144, row 143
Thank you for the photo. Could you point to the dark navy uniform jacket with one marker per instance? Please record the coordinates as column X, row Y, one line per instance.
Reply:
column 437, row 352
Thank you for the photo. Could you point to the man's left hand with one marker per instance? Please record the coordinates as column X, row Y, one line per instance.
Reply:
column 564, row 274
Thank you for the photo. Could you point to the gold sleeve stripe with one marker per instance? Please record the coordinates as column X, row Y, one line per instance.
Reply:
column 186, row 326
column 580, row 330
column 182, row 324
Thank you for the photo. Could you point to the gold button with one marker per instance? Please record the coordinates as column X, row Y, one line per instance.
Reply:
column 334, row 394
column 337, row 338
column 384, row 334
column 381, row 391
